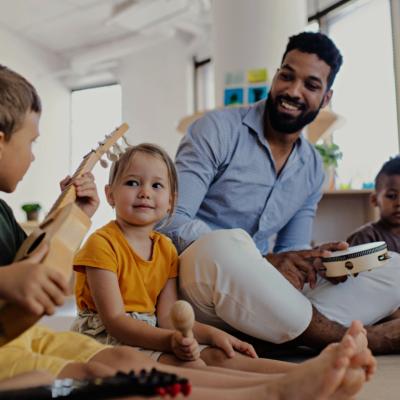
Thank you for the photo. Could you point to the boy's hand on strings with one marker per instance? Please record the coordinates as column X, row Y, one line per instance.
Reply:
column 34, row 286
column 186, row 349
column 229, row 344
column 86, row 192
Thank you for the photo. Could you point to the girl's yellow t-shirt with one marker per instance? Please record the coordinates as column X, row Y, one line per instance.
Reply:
column 140, row 281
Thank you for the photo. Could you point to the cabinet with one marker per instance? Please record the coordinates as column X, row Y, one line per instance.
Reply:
column 340, row 212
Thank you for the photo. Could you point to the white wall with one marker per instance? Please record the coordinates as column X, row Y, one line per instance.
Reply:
column 52, row 150
column 155, row 95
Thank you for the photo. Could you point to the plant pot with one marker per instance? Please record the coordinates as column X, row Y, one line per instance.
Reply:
column 330, row 178
column 32, row 215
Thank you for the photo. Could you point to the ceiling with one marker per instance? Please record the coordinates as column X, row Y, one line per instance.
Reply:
column 92, row 35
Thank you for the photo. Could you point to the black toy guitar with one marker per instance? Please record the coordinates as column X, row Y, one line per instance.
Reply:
column 146, row 384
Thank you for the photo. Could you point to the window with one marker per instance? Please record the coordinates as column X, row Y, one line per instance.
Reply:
column 312, row 26
column 95, row 112
column 364, row 90
column 204, row 98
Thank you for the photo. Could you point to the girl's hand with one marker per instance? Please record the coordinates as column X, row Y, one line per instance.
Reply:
column 229, row 344
column 186, row 349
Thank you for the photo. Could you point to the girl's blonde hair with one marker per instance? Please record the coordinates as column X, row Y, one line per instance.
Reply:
column 122, row 164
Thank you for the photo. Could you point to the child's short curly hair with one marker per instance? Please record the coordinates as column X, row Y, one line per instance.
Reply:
column 389, row 168
column 124, row 160
column 17, row 98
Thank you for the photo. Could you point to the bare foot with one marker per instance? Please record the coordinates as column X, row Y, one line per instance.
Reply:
column 321, row 378
column 352, row 383
column 363, row 357
column 362, row 365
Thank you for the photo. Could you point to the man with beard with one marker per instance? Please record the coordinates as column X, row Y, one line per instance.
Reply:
column 247, row 177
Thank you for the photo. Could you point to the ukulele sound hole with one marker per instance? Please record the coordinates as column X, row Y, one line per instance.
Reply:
column 36, row 243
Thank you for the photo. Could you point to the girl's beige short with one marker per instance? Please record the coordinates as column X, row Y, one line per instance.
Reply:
column 39, row 348
column 90, row 323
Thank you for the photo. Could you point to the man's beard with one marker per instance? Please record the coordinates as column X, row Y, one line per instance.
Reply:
column 284, row 123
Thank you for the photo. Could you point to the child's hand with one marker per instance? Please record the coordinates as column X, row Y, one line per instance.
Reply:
column 32, row 285
column 229, row 344
column 86, row 192
column 186, row 349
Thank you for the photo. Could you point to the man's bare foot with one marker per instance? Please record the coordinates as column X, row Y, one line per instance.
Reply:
column 384, row 338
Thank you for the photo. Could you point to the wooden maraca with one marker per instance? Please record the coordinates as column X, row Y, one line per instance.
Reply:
column 182, row 317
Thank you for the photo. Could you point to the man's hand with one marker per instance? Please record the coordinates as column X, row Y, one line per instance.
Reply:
column 295, row 266
column 186, row 349
column 37, row 288
column 302, row 266
column 326, row 249
column 86, row 192
column 229, row 344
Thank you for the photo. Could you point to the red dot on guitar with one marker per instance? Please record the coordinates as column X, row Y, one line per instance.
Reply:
column 161, row 391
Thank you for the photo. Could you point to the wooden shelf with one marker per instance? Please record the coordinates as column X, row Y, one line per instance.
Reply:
column 361, row 192
column 340, row 212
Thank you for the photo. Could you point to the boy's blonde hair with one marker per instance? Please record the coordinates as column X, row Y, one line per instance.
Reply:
column 122, row 164
column 17, row 98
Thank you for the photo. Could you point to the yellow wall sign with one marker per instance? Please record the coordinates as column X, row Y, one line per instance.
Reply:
column 257, row 75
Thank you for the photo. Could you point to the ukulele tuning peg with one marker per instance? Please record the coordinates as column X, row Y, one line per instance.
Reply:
column 103, row 163
column 112, row 156
column 125, row 141
column 117, row 149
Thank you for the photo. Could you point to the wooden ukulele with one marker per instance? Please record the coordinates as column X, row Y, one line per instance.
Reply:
column 63, row 229
column 153, row 383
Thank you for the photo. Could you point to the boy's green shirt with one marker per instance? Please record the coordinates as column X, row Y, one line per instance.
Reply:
column 11, row 234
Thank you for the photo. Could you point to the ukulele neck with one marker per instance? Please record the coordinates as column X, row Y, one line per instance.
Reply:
column 68, row 195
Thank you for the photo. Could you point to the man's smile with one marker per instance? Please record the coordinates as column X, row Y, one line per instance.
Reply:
column 290, row 107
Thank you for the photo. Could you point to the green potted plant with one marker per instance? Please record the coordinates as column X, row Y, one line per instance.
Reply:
column 331, row 154
column 32, row 211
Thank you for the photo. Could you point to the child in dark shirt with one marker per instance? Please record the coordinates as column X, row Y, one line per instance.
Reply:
column 387, row 199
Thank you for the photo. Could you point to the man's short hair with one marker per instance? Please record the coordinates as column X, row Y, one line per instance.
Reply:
column 320, row 45
column 389, row 168
column 17, row 98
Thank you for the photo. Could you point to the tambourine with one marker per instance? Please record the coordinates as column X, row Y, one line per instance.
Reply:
column 355, row 259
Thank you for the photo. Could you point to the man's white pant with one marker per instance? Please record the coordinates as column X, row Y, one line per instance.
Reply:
column 230, row 285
